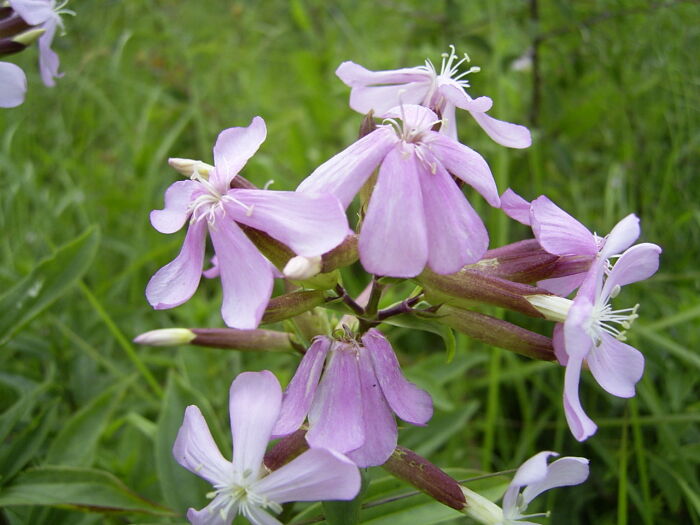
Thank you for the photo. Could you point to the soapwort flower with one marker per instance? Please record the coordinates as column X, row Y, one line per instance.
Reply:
column 379, row 91
column 351, row 408
column 46, row 15
column 309, row 225
column 417, row 215
column 13, row 85
column 245, row 486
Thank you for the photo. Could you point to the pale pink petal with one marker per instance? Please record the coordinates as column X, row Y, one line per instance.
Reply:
column 533, row 470
column 449, row 121
column 504, row 133
column 621, row 237
column 510, row 500
column 562, row 286
column 13, row 85
column 408, row 401
column 259, row 516
column 316, row 475
column 355, row 75
column 196, row 450
column 616, row 366
column 413, row 116
column 301, row 389
column 380, row 430
column 559, row 345
column 465, row 163
column 309, row 224
column 563, row 472
column 578, row 341
column 173, row 216
column 34, row 12
column 214, row 271
column 558, row 232
column 246, row 276
column 233, row 148
column 48, row 59
column 639, row 262
column 581, row 426
column 393, row 240
column 456, row 234
column 211, row 515
column 458, row 97
column 255, row 399
column 177, row 281
column 381, row 99
column 515, row 207
column 344, row 174
column 335, row 418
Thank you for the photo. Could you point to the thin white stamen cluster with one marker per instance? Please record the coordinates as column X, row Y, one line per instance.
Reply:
column 239, row 499
column 208, row 204
column 449, row 73
column 604, row 318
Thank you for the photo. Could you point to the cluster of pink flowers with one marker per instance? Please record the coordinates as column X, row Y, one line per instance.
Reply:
column 44, row 18
column 349, row 385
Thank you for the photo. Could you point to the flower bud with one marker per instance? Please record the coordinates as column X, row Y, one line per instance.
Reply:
column 481, row 509
column 12, row 25
column 188, row 167
column 552, row 307
column 301, row 268
column 291, row 305
column 166, row 337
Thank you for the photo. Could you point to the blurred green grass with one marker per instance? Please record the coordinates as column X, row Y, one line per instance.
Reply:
column 616, row 132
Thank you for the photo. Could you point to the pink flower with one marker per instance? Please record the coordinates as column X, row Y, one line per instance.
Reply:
column 13, row 85
column 309, row 225
column 417, row 215
column 536, row 477
column 379, row 91
column 44, row 14
column 244, row 486
column 350, row 407
column 594, row 333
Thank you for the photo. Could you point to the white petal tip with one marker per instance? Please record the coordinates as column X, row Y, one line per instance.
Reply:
column 300, row 267
column 166, row 337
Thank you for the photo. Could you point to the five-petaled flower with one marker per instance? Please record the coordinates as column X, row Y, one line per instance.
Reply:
column 417, row 215
column 350, row 408
column 379, row 91
column 245, row 486
column 309, row 225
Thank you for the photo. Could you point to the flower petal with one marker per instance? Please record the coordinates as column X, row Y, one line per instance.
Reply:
column 233, row 148
column 616, row 366
column 408, row 401
column 355, row 75
column 381, row 434
column 48, row 59
column 502, row 132
column 456, row 234
column 559, row 345
column 34, row 12
column 639, row 262
column 533, row 470
column 621, row 237
column 13, row 85
column 578, row 342
column 460, row 98
column 581, row 426
column 177, row 281
column 309, row 224
column 562, row 286
column 393, row 240
column 214, row 271
column 246, row 276
column 449, row 121
column 301, row 389
column 335, row 418
column 558, row 232
column 381, row 99
column 515, row 207
column 344, row 174
column 316, row 475
column 258, row 516
column 414, row 116
column 563, row 472
column 211, row 515
column 255, row 399
column 465, row 163
column 176, row 211
column 196, row 450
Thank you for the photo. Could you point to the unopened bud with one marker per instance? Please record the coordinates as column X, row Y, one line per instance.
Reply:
column 12, row 24
column 368, row 125
column 166, row 337
column 300, row 267
column 189, row 167
column 291, row 305
column 286, row 449
column 481, row 509
column 246, row 340
column 552, row 307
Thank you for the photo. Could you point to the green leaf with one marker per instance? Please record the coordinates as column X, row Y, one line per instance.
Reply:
column 23, row 406
column 50, row 279
column 79, row 488
column 77, row 440
column 415, row 322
